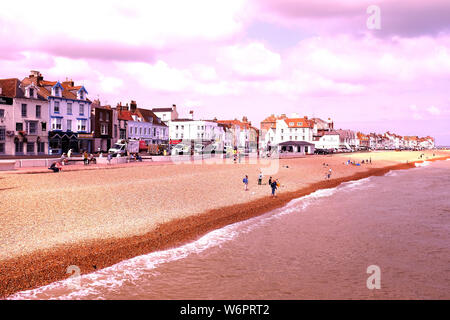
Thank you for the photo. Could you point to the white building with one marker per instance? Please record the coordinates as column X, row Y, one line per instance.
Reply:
column 23, row 119
column 166, row 114
column 329, row 140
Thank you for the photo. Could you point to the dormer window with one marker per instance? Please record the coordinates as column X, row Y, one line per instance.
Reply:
column 31, row 92
column 57, row 92
column 81, row 94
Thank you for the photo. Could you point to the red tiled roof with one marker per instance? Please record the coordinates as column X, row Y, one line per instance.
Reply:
column 235, row 122
column 299, row 123
column 9, row 87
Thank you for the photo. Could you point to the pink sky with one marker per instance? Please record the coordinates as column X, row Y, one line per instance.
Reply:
column 232, row 58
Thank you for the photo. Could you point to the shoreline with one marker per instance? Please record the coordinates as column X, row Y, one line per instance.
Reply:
column 43, row 267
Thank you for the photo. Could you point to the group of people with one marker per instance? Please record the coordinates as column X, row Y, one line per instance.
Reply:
column 88, row 158
column 273, row 183
column 135, row 157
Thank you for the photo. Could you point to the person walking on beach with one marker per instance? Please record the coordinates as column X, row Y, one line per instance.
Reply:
column 329, row 173
column 245, row 181
column 274, row 187
column 85, row 158
column 109, row 158
column 260, row 178
column 270, row 181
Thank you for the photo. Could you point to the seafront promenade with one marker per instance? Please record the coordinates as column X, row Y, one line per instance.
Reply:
column 92, row 217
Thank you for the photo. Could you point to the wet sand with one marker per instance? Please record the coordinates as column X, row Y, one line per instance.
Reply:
column 94, row 219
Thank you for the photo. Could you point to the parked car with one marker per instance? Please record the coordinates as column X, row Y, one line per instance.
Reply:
column 181, row 149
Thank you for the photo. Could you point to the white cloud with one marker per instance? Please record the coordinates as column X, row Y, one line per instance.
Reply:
column 251, row 60
column 134, row 22
column 434, row 111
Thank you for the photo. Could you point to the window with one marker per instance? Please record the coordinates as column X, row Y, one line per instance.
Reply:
column 19, row 126
column 2, row 113
column 115, row 130
column 81, row 109
column 2, row 148
column 103, row 129
column 140, row 130
column 295, row 137
column 41, row 147
column 69, row 108
column 56, row 124
column 2, row 133
column 31, row 92
column 282, row 138
column 32, row 127
column 282, row 130
column 69, row 125
column 30, row 147
column 291, row 123
column 182, row 127
column 176, row 135
column 131, row 130
column 299, row 123
column 56, row 107
column 290, row 137
column 135, row 130
column 107, row 116
column 19, row 147
column 154, row 131
column 81, row 95
column 100, row 115
column 38, row 111
column 176, row 127
column 44, row 126
column 24, row 110
column 181, row 136
column 57, row 91
column 82, row 125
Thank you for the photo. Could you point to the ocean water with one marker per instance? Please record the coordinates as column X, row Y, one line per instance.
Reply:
column 316, row 247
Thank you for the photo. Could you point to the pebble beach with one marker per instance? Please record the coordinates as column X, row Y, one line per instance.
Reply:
column 95, row 218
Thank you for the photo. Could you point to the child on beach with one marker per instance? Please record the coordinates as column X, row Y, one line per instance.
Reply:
column 245, row 181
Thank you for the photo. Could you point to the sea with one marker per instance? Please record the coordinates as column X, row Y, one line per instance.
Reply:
column 384, row 237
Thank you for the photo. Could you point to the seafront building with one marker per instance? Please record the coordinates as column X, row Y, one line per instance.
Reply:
column 241, row 134
column 141, row 124
column 283, row 130
column 188, row 130
column 69, row 114
column 24, row 118
column 102, row 122
column 166, row 114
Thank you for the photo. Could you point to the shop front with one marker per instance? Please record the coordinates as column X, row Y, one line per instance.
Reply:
column 62, row 142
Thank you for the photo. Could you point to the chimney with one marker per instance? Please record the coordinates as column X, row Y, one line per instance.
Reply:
column 191, row 114
column 174, row 107
column 133, row 106
column 283, row 116
column 244, row 119
column 36, row 76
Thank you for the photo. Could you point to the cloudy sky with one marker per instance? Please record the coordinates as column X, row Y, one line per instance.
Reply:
column 246, row 57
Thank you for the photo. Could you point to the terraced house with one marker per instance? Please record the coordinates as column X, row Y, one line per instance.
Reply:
column 69, row 112
column 23, row 119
